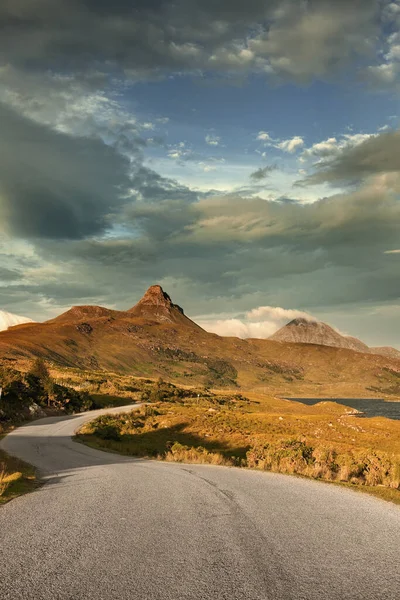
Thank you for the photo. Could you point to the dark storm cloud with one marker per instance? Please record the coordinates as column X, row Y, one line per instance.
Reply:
column 53, row 185
column 297, row 40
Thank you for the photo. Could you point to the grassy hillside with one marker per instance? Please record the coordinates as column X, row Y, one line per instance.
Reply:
column 129, row 345
column 325, row 441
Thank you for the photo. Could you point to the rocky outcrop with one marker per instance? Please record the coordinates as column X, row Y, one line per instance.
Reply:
column 158, row 306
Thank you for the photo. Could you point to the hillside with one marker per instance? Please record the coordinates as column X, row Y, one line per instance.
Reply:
column 386, row 351
column 156, row 339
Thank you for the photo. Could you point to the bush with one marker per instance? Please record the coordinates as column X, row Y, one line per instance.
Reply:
column 295, row 456
column 108, row 432
column 20, row 391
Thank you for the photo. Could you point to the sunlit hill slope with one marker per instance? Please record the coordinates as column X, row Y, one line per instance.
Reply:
column 155, row 338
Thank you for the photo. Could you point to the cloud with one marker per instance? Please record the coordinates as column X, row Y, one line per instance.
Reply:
column 212, row 140
column 230, row 251
column 363, row 156
column 392, row 251
column 386, row 74
column 238, row 328
column 286, row 40
column 53, row 185
column 276, row 313
column 263, row 136
column 9, row 274
column 260, row 322
column 291, row 145
column 262, row 172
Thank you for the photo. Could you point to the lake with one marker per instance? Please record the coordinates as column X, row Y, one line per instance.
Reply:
column 370, row 407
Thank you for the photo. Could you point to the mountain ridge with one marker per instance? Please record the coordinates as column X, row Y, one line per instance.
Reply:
column 155, row 338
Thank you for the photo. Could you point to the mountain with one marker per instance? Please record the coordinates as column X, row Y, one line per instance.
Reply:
column 386, row 351
column 9, row 320
column 157, row 306
column 306, row 331
column 155, row 339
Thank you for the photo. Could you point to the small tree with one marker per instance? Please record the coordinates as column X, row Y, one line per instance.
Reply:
column 42, row 383
column 40, row 370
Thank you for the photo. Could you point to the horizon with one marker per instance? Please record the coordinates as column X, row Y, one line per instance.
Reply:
column 244, row 155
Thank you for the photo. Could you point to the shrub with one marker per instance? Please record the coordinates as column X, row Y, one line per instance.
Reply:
column 107, row 432
column 40, row 370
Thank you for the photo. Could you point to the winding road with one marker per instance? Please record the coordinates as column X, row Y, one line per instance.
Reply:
column 107, row 527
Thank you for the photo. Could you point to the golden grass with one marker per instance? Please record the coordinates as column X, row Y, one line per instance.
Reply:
column 16, row 478
column 323, row 442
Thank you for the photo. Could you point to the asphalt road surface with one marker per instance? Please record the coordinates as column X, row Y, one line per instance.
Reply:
column 106, row 527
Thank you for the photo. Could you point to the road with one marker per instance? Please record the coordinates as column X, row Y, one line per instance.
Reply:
column 107, row 527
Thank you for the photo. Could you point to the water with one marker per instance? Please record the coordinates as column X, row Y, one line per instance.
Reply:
column 370, row 407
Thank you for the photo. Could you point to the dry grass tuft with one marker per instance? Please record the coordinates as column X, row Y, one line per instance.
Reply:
column 16, row 477
column 3, row 479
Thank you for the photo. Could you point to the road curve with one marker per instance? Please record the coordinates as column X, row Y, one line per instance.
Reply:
column 106, row 527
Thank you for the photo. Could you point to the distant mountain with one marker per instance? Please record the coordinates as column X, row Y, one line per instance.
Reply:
column 9, row 320
column 386, row 351
column 156, row 339
column 306, row 331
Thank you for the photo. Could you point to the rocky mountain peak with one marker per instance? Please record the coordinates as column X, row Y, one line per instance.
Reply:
column 156, row 304
column 303, row 322
column 155, row 296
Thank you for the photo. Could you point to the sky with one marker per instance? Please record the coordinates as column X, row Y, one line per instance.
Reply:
column 243, row 155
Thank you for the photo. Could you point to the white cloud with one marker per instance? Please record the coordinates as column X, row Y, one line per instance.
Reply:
column 291, row 145
column 263, row 136
column 179, row 151
column 261, row 322
column 332, row 147
column 276, row 313
column 212, row 140
column 207, row 168
column 238, row 328
column 387, row 73
column 324, row 148
column 392, row 252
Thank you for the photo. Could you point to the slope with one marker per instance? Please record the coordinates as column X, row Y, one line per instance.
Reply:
column 155, row 338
